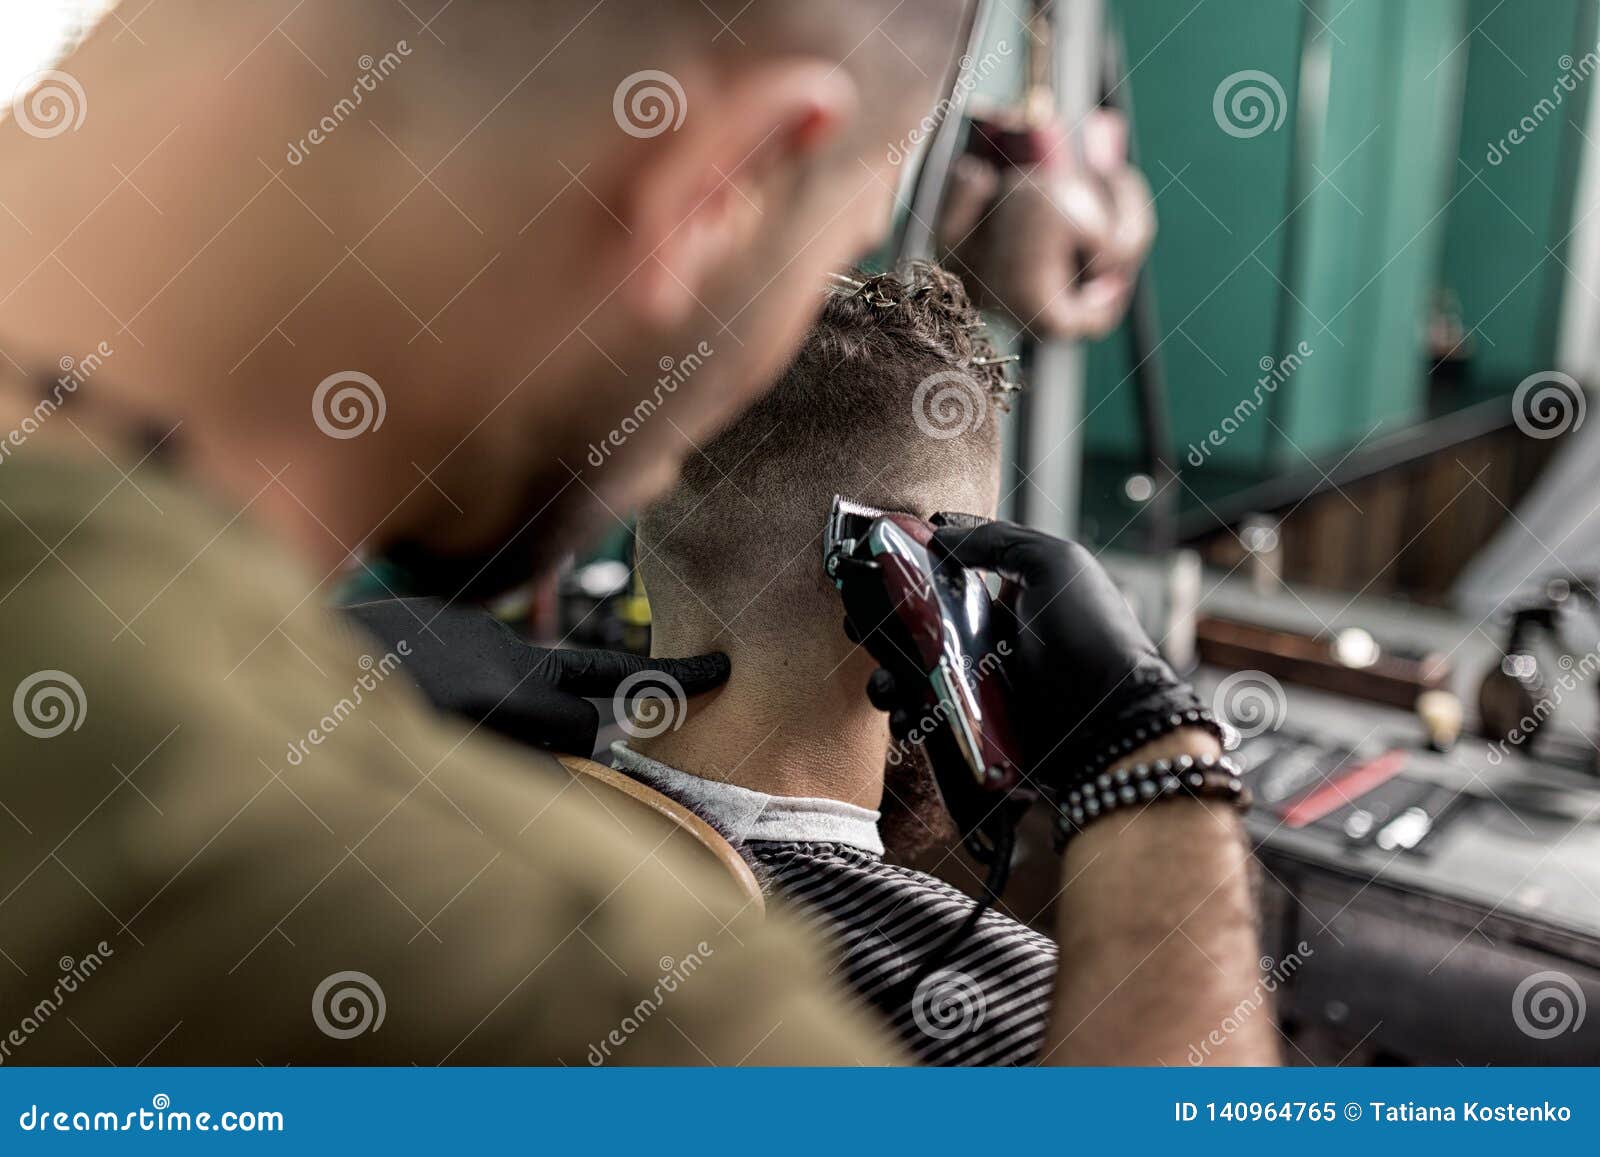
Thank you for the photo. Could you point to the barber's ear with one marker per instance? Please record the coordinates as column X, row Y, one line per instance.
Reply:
column 698, row 202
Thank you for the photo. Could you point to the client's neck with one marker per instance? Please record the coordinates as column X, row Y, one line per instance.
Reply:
column 780, row 728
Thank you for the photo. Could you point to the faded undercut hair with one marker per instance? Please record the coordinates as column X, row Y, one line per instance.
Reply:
column 893, row 400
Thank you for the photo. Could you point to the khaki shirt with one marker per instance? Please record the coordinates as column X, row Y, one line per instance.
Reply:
column 230, row 832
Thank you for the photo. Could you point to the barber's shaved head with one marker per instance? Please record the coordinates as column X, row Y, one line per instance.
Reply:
column 873, row 40
column 717, row 156
column 888, row 402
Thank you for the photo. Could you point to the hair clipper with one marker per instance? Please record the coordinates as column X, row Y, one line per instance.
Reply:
column 930, row 623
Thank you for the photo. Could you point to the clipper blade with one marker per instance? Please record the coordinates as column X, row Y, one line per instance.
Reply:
column 848, row 520
column 843, row 505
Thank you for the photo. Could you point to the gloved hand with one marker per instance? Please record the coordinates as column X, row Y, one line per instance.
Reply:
column 1086, row 678
column 469, row 663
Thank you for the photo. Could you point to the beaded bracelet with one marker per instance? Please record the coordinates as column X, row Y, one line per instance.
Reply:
column 1208, row 777
column 1154, row 727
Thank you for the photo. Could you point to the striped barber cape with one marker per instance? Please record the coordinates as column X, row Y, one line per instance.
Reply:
column 988, row 1001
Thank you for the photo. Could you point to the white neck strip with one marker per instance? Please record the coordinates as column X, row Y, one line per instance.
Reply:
column 746, row 815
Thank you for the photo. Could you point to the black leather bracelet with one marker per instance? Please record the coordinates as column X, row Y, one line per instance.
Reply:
column 1207, row 777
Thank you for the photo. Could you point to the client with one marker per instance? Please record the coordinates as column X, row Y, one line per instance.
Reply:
column 893, row 401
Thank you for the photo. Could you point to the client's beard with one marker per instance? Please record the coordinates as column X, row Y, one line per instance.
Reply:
column 913, row 819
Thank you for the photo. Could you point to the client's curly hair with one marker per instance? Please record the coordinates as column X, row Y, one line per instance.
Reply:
column 920, row 312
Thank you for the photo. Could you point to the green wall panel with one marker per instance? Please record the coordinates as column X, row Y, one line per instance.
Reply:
column 1374, row 222
column 1220, row 198
column 1512, row 200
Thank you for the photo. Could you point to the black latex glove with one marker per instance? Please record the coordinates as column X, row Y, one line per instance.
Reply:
column 469, row 663
column 1082, row 669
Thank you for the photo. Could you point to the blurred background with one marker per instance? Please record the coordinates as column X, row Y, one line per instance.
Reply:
column 1396, row 224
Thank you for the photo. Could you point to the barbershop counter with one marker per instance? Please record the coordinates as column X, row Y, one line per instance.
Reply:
column 1448, row 903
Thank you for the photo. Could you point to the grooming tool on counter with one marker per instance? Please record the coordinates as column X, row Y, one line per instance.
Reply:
column 1397, row 815
column 1294, row 768
column 1440, row 712
column 1519, row 694
column 930, row 623
column 1360, row 795
column 1341, row 787
column 1511, row 690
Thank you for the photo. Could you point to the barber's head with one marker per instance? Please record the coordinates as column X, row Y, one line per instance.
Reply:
column 884, row 405
column 664, row 191
column 441, row 263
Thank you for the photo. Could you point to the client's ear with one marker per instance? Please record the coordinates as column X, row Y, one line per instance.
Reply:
column 708, row 189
